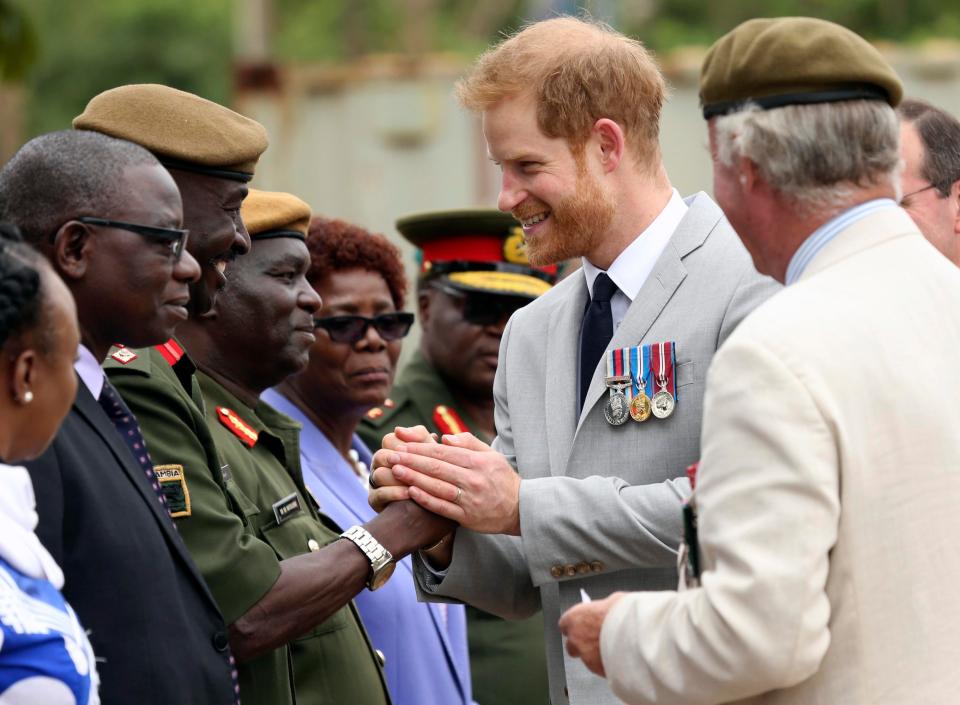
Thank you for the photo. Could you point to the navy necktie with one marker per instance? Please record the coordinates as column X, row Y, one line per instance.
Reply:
column 128, row 428
column 596, row 331
column 126, row 424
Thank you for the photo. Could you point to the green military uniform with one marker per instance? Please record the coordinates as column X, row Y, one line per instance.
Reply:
column 508, row 663
column 232, row 478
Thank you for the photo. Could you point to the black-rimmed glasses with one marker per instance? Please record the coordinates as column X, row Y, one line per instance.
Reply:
column 175, row 236
column 350, row 329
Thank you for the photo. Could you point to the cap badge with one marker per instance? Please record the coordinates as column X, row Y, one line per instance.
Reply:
column 515, row 247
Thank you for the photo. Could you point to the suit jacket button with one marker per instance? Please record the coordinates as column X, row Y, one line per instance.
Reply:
column 570, row 570
column 381, row 657
column 220, row 641
column 556, row 571
column 596, row 566
column 583, row 568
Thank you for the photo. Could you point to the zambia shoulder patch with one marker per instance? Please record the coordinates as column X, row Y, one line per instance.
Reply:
column 171, row 351
column 173, row 484
column 237, row 426
column 448, row 420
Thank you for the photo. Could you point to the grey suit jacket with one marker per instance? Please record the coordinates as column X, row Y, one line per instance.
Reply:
column 598, row 501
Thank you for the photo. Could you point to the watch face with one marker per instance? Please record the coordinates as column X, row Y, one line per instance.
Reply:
column 382, row 576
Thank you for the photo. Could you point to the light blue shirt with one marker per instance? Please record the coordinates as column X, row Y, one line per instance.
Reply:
column 425, row 644
column 822, row 236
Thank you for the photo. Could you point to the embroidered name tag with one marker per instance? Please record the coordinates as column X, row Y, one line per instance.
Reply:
column 173, row 484
column 287, row 507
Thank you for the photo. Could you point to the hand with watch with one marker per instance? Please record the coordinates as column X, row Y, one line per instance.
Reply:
column 381, row 560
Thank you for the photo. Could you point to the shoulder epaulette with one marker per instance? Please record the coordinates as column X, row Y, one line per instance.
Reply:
column 121, row 357
column 237, row 426
column 448, row 421
column 171, row 351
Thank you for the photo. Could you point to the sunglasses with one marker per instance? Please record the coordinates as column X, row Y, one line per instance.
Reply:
column 350, row 329
column 483, row 309
column 176, row 238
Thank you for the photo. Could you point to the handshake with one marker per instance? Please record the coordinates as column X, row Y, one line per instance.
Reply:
column 458, row 477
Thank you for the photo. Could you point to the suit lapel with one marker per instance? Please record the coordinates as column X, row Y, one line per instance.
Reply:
column 88, row 407
column 562, row 351
column 667, row 275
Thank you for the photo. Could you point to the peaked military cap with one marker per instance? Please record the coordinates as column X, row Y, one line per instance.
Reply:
column 793, row 61
column 475, row 251
column 183, row 130
column 271, row 214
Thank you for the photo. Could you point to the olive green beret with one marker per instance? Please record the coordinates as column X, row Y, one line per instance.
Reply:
column 792, row 61
column 183, row 130
column 475, row 250
column 270, row 214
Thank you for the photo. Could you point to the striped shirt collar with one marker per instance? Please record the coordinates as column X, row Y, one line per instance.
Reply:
column 828, row 231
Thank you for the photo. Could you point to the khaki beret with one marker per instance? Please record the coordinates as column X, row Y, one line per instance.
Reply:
column 270, row 214
column 793, row 61
column 183, row 130
column 475, row 251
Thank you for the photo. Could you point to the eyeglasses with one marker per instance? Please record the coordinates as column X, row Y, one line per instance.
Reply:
column 483, row 309
column 914, row 193
column 350, row 329
column 176, row 237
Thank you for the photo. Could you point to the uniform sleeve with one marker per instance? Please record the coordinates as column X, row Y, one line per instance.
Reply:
column 488, row 572
column 768, row 504
column 238, row 567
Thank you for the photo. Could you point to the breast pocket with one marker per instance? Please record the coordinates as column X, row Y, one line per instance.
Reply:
column 685, row 373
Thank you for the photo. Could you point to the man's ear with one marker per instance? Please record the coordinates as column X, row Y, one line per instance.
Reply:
column 423, row 307
column 749, row 175
column 611, row 141
column 955, row 205
column 72, row 246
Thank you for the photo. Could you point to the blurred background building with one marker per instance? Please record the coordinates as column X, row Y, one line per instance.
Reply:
column 357, row 94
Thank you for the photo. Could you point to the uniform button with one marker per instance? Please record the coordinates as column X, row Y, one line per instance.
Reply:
column 596, row 566
column 380, row 657
column 570, row 570
column 313, row 545
column 583, row 568
column 557, row 571
column 220, row 641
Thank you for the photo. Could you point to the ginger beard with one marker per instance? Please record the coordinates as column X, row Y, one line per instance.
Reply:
column 576, row 223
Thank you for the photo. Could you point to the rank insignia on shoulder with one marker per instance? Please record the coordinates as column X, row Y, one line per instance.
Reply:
column 448, row 420
column 375, row 413
column 124, row 355
column 173, row 484
column 171, row 351
column 237, row 426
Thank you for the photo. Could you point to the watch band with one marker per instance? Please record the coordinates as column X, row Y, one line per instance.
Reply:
column 380, row 558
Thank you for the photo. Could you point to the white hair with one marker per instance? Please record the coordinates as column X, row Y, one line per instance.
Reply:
column 818, row 156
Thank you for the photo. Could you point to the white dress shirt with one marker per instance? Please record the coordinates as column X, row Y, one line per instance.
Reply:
column 632, row 266
column 89, row 370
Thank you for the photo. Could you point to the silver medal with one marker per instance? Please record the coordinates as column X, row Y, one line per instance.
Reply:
column 663, row 404
column 617, row 409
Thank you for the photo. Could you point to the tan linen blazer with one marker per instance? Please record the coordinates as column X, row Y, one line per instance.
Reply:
column 828, row 495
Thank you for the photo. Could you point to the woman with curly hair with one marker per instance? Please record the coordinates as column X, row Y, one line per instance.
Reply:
column 360, row 278
column 45, row 656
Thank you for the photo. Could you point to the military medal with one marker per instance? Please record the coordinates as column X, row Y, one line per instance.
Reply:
column 661, row 363
column 617, row 409
column 640, row 403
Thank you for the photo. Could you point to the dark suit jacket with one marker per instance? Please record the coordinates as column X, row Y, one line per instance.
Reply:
column 155, row 629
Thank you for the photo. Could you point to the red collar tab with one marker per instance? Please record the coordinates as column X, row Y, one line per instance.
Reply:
column 237, row 426
column 171, row 351
column 448, row 420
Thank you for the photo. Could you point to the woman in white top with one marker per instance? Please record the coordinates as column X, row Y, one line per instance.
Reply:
column 45, row 656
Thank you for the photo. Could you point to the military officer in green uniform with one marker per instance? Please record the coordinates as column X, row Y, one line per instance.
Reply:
column 474, row 275
column 227, row 464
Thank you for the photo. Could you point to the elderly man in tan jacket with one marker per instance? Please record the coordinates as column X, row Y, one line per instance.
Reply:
column 826, row 568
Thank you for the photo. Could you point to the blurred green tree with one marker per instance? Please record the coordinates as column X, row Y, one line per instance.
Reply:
column 88, row 47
